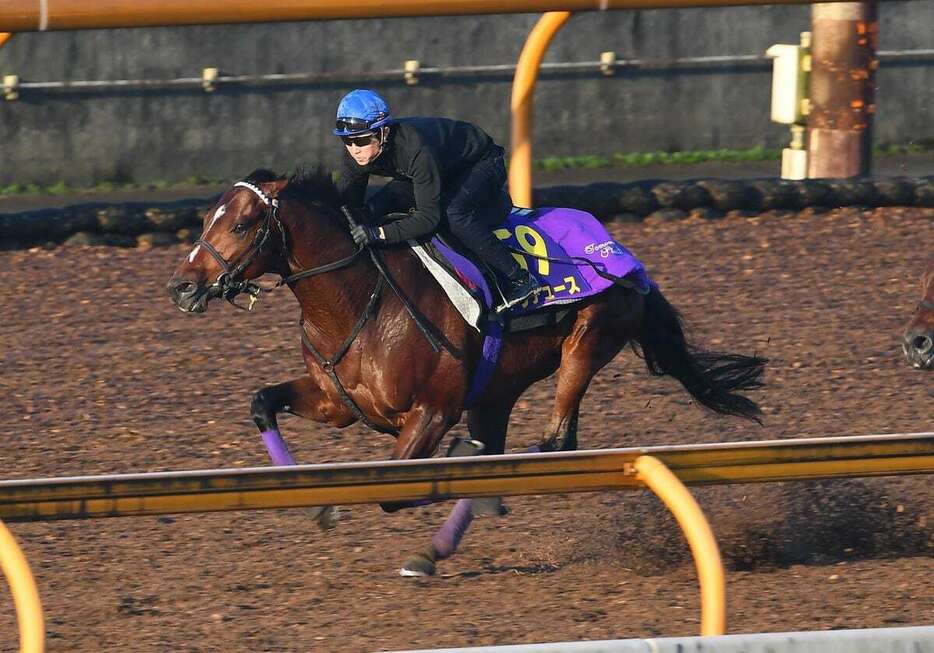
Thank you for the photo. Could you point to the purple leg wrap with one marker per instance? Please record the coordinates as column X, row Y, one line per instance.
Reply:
column 277, row 448
column 449, row 536
column 534, row 449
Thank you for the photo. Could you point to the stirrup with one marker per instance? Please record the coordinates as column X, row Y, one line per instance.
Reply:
column 509, row 303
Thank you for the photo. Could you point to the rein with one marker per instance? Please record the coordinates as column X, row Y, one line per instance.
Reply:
column 229, row 285
column 580, row 260
column 925, row 304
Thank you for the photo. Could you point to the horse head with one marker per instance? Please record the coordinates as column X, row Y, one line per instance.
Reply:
column 918, row 343
column 238, row 243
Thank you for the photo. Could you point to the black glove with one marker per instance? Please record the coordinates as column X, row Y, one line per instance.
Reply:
column 365, row 235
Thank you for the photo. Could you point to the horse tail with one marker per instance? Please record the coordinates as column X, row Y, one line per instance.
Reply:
column 712, row 378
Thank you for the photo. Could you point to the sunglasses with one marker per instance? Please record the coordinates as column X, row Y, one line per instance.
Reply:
column 359, row 141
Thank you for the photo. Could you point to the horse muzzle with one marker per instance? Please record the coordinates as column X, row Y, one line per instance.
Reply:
column 919, row 348
column 188, row 296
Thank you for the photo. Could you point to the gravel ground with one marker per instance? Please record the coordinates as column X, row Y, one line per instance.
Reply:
column 103, row 375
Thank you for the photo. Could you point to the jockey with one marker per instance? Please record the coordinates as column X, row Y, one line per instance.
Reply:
column 444, row 172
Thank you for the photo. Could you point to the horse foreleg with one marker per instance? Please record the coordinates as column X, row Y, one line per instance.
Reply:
column 302, row 397
column 419, row 438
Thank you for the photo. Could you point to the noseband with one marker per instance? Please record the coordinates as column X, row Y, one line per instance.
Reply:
column 229, row 282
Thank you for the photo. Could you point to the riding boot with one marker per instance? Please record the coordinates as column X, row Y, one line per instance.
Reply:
column 518, row 286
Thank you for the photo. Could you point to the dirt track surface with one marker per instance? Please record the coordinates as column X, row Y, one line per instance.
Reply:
column 100, row 374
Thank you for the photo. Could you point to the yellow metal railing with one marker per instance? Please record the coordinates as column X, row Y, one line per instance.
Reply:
column 690, row 517
column 662, row 469
column 523, row 85
column 351, row 483
column 25, row 594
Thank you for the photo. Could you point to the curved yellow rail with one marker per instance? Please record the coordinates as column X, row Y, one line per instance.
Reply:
column 25, row 594
column 520, row 163
column 672, row 492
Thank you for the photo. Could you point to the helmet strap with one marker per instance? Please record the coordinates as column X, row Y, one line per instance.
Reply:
column 383, row 137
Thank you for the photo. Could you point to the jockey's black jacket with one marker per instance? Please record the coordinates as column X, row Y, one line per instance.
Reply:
column 431, row 153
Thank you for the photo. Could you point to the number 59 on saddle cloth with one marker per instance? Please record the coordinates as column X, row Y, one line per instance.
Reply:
column 569, row 251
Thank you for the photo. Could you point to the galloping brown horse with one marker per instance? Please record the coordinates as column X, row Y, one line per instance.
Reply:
column 370, row 359
column 918, row 341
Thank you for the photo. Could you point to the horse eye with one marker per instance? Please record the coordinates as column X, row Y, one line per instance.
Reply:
column 239, row 228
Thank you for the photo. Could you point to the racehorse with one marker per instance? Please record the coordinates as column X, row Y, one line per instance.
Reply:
column 918, row 341
column 371, row 356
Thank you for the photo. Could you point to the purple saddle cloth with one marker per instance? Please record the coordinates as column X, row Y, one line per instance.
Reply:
column 555, row 245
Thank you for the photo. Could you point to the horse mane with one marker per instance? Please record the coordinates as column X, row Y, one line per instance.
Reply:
column 312, row 187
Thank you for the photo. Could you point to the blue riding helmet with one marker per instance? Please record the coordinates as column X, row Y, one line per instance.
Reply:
column 361, row 111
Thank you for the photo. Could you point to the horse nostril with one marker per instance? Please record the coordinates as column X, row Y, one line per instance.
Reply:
column 922, row 344
column 182, row 289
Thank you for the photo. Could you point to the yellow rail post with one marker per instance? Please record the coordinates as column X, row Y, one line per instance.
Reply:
column 25, row 594
column 673, row 494
column 520, row 162
column 4, row 37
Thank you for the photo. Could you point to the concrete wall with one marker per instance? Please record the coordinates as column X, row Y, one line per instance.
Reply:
column 86, row 137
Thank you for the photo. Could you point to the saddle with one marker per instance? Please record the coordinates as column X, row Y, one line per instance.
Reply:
column 569, row 251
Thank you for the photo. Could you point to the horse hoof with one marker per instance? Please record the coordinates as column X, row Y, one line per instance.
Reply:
column 326, row 517
column 488, row 506
column 464, row 447
column 418, row 566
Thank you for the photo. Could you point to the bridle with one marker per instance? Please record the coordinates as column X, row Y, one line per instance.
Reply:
column 230, row 282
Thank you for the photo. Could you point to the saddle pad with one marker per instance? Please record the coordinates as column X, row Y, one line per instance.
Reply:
column 469, row 302
column 562, row 247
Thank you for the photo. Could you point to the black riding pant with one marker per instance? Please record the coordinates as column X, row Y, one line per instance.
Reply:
column 473, row 205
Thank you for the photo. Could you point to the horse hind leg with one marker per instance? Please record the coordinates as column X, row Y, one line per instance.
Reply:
column 594, row 342
column 486, row 425
column 300, row 397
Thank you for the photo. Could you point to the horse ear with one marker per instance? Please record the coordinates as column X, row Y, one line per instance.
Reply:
column 273, row 188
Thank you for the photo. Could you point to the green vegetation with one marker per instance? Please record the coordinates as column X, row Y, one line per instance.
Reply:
column 758, row 153
column 642, row 159
column 549, row 164
column 62, row 188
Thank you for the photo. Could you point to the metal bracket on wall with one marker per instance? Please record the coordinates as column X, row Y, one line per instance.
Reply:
column 608, row 63
column 209, row 79
column 11, row 87
column 411, row 69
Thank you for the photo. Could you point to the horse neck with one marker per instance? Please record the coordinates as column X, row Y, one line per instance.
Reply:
column 333, row 301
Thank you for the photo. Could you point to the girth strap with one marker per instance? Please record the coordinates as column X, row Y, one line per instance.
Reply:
column 328, row 365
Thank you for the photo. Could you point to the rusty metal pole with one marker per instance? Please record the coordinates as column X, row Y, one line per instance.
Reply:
column 842, row 89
